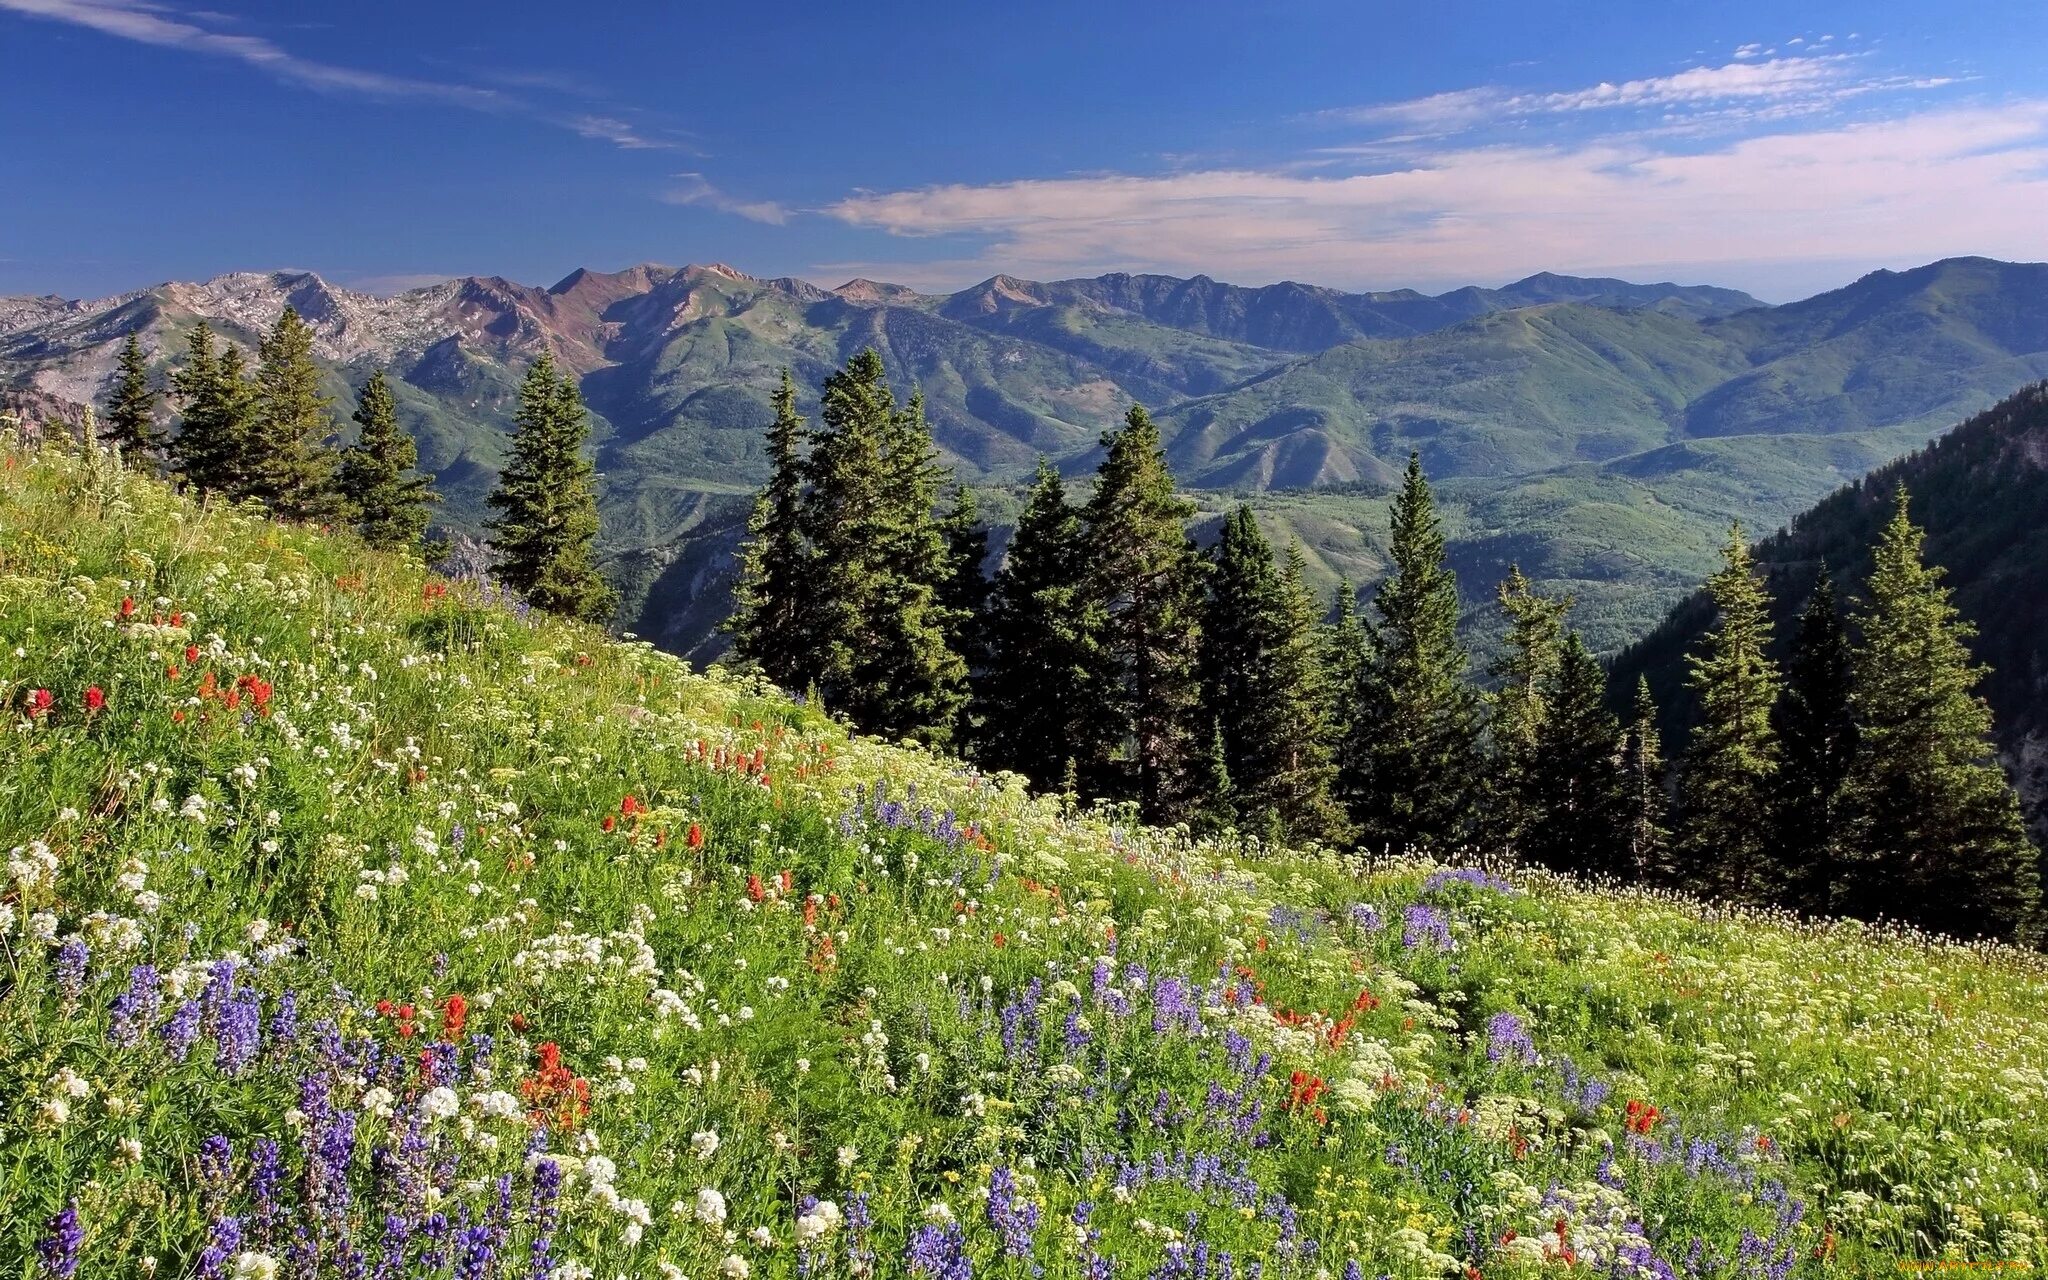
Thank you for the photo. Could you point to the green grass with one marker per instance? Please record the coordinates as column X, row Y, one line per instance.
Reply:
column 879, row 978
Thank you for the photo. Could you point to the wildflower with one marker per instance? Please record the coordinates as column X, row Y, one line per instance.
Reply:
column 1508, row 1040
column 61, row 1242
column 703, row 1144
column 734, row 1267
column 95, row 699
column 696, row 837
column 709, row 1208
column 72, row 959
column 40, row 701
column 439, row 1103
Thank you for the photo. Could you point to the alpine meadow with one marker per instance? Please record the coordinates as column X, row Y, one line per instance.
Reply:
column 1511, row 743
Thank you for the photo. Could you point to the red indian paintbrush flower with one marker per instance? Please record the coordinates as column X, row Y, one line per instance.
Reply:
column 94, row 699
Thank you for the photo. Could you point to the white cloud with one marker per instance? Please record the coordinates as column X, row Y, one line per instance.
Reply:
column 1922, row 186
column 619, row 133
column 696, row 189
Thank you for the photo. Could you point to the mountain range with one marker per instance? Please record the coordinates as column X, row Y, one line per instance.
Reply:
column 1597, row 431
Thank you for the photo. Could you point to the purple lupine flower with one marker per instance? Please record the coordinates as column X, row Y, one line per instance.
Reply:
column 543, row 1213
column 135, row 1008
column 1366, row 918
column 216, row 1168
column 1507, row 1040
column 266, row 1173
column 181, row 1030
column 1471, row 876
column 238, row 1032
column 860, row 1220
column 62, row 1240
column 1423, row 925
column 73, row 959
column 284, row 1021
column 1014, row 1219
column 222, row 1244
column 937, row 1252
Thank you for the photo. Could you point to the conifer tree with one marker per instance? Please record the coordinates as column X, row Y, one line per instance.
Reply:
column 291, row 468
column 775, row 560
column 1410, row 764
column 131, row 412
column 211, row 450
column 379, row 484
column 1933, row 826
column 545, row 527
column 965, row 589
column 1144, row 576
column 1729, row 775
column 1304, row 785
column 1578, row 822
column 1646, row 838
column 1528, row 662
column 1816, row 742
column 1037, row 691
column 1216, row 810
column 874, row 624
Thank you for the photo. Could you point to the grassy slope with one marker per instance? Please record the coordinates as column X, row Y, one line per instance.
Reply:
column 880, row 979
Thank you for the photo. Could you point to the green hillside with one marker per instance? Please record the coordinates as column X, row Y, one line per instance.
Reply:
column 358, row 923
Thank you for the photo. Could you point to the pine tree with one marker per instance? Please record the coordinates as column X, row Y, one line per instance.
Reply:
column 1646, row 838
column 1816, row 743
column 545, row 527
column 964, row 591
column 1144, row 576
column 1933, row 827
column 1729, row 774
column 1036, row 695
column 1579, row 821
column 378, row 482
column 1528, row 662
column 1216, row 810
column 1304, row 785
column 291, row 468
column 1410, row 763
column 775, row 560
column 131, row 412
column 914, row 681
column 216, row 406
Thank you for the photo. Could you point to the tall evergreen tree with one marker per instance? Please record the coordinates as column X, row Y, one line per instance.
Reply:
column 545, row 527
column 216, row 406
column 1816, row 742
column 1934, row 828
column 131, row 412
column 775, row 560
column 1410, row 764
column 1037, row 694
column 1305, row 783
column 291, row 468
column 1646, row 837
column 1524, row 671
column 874, row 626
column 1144, row 576
column 379, row 483
column 1579, row 819
column 965, row 589
column 1729, row 775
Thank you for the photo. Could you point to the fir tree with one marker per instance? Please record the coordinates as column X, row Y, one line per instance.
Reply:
column 914, row 681
column 1410, row 764
column 1216, row 811
column 775, row 560
column 1646, row 838
column 1816, row 742
column 1729, row 774
column 1144, row 576
column 1933, row 827
column 1304, row 785
column 965, row 591
column 211, row 450
column 1528, row 662
column 545, row 527
column 291, row 468
column 131, row 412
column 1579, row 817
column 1035, row 695
column 379, row 482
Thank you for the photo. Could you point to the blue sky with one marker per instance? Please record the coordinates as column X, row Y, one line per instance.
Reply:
column 1362, row 145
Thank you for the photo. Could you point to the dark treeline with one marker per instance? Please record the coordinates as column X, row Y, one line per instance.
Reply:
column 268, row 435
column 1111, row 657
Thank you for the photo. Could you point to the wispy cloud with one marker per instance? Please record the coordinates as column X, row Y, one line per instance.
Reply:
column 696, row 189
column 1924, row 185
column 199, row 31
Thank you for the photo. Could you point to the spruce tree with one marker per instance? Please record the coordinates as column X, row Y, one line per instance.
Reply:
column 1527, row 664
column 216, row 405
column 545, row 527
column 1410, row 763
column 384, row 494
column 914, row 681
column 131, row 412
column 1646, row 838
column 1144, row 576
column 965, row 589
column 1729, row 775
column 1816, row 742
column 1579, row 817
column 775, row 560
column 292, row 470
column 1934, row 833
column 1035, row 696
column 1305, row 782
